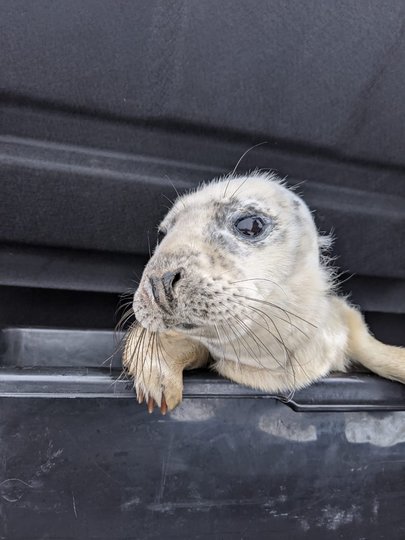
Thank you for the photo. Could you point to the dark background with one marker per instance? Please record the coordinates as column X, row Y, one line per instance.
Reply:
column 106, row 107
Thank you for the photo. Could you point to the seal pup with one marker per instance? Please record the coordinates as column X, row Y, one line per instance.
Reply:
column 239, row 275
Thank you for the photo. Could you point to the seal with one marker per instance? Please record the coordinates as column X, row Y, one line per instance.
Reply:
column 240, row 278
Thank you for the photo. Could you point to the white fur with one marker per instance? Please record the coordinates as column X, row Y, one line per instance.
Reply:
column 266, row 311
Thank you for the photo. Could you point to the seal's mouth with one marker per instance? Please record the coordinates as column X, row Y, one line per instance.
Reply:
column 155, row 315
column 188, row 326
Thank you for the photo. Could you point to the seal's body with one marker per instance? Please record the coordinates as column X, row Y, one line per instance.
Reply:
column 239, row 275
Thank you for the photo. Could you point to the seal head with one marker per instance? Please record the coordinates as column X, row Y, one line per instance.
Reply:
column 226, row 252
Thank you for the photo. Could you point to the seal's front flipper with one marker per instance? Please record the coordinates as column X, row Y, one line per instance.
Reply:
column 156, row 362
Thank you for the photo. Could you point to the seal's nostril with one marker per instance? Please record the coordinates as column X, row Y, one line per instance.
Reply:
column 154, row 286
column 169, row 280
column 176, row 278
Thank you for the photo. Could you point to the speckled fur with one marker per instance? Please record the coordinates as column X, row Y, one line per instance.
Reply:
column 265, row 310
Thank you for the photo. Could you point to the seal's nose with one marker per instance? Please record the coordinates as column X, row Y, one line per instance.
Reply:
column 162, row 287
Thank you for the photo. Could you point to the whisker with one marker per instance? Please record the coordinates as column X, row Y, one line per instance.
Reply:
column 127, row 292
column 256, row 338
column 248, row 348
column 168, row 199
column 118, row 341
column 149, row 248
column 258, row 310
column 289, row 353
column 259, row 279
column 230, row 341
column 239, row 162
column 154, row 353
column 277, row 307
column 140, row 356
column 291, row 366
column 160, row 347
column 221, row 346
column 176, row 190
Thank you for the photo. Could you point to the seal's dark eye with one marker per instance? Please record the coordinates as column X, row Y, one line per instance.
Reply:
column 250, row 226
column 160, row 235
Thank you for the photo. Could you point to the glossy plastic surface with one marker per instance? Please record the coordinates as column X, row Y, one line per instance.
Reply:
column 230, row 462
column 214, row 468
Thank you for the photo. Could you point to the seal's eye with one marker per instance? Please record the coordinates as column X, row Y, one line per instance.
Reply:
column 160, row 235
column 250, row 226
